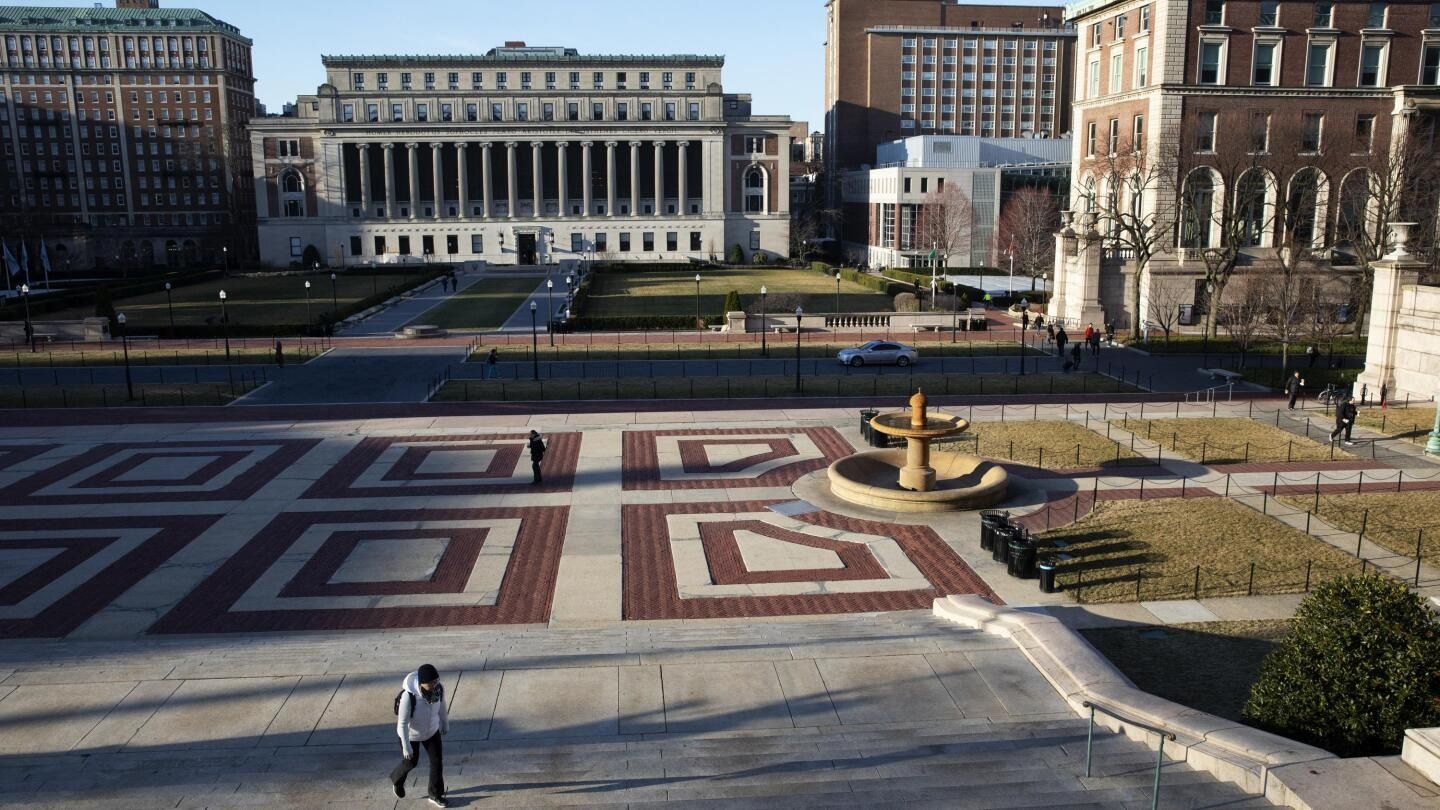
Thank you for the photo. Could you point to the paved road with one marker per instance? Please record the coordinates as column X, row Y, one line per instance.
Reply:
column 391, row 319
column 401, row 374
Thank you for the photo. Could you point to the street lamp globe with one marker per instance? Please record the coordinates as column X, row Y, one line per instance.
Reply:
column 332, row 276
column 307, row 285
column 533, row 306
column 763, row 291
column 222, row 295
column 167, row 286
column 549, row 284
column 120, row 319
column 24, row 289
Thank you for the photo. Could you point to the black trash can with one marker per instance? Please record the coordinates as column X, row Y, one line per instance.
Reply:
column 1021, row 556
column 990, row 520
column 865, row 430
column 1047, row 577
column 1001, row 541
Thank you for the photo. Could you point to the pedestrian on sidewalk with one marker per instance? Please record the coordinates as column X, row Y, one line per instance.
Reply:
column 1095, row 343
column 1089, row 332
column 1344, row 420
column 1074, row 357
column 1292, row 387
column 279, row 354
column 537, row 454
column 491, row 369
column 421, row 718
column 1050, row 332
column 1060, row 340
column 1024, row 320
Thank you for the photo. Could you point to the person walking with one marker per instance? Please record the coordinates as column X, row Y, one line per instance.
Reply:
column 1089, row 332
column 537, row 454
column 1292, row 387
column 1344, row 420
column 1095, row 343
column 1074, row 357
column 1024, row 320
column 491, row 369
column 1060, row 340
column 1050, row 332
column 279, row 354
column 421, row 718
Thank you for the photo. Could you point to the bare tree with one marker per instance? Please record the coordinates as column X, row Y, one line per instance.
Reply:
column 1163, row 306
column 1244, row 319
column 946, row 222
column 1131, row 188
column 1027, row 226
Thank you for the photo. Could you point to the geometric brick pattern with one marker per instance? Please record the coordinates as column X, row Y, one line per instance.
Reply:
column 98, row 560
column 524, row 590
column 727, row 566
column 395, row 466
column 212, row 471
column 652, row 590
column 12, row 454
column 692, row 468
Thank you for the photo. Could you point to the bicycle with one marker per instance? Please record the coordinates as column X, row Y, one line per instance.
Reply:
column 1331, row 395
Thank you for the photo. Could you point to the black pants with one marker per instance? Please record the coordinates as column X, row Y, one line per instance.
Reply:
column 434, row 753
column 535, row 468
column 1294, row 395
column 1345, row 428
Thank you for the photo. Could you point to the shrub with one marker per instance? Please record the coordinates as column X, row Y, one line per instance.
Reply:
column 636, row 323
column 906, row 302
column 735, row 255
column 1361, row 665
column 760, row 258
column 875, row 283
column 732, row 302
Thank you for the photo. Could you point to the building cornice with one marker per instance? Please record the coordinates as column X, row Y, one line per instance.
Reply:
column 461, row 60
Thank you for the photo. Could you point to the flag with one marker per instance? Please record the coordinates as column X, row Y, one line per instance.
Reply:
column 25, row 260
column 934, row 254
column 12, row 267
column 45, row 263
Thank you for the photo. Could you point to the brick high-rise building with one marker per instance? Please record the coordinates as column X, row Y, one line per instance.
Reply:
column 897, row 68
column 124, row 135
column 1257, row 126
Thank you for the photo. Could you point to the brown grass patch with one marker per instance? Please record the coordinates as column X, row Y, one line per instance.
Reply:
column 1160, row 544
column 1410, row 424
column 1052, row 444
column 1230, row 441
column 1392, row 520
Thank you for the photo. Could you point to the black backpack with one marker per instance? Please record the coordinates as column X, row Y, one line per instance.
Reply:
column 399, row 695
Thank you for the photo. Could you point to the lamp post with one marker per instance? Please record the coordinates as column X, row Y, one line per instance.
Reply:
column 170, row 306
column 29, row 327
column 1204, row 329
column 764, row 350
column 125, row 348
column 334, row 301
column 1011, row 290
column 534, row 343
column 1432, row 447
column 837, row 292
column 225, row 260
column 799, row 313
column 225, row 325
column 550, row 310
column 954, row 311
column 697, row 302
column 307, row 305
column 934, row 288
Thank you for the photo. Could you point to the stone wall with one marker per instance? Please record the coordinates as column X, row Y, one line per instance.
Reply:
column 1417, row 342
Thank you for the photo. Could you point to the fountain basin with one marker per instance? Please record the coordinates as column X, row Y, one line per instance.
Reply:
column 961, row 482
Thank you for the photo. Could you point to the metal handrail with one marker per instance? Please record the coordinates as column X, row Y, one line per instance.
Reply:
column 1159, row 755
column 1209, row 394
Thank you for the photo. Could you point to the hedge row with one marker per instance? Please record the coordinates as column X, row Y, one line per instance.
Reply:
column 636, row 323
column 875, row 283
column 85, row 296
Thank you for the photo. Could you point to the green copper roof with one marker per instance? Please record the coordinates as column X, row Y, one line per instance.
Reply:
column 503, row 58
column 80, row 19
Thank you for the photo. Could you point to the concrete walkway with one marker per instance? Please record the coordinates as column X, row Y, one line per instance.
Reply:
column 410, row 308
column 519, row 320
column 400, row 374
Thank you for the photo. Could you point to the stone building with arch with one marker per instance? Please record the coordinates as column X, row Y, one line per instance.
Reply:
column 519, row 156
column 1242, row 127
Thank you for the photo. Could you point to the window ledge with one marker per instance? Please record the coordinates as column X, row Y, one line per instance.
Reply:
column 1216, row 28
column 1326, row 31
column 1377, row 32
column 1270, row 29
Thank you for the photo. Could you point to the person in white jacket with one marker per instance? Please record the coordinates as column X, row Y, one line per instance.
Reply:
column 421, row 718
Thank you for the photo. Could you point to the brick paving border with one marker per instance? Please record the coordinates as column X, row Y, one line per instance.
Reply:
column 561, row 458
column 640, row 458
column 651, row 590
column 450, row 575
column 727, row 565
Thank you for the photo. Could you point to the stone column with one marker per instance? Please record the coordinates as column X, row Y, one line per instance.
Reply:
column 659, row 177
column 635, row 178
column 562, row 170
column 364, row 150
column 389, row 181
column 1065, row 242
column 610, row 178
column 513, row 192
column 412, row 155
column 486, row 181
column 438, row 173
column 537, row 187
column 1393, row 272
column 681, row 148
column 462, row 177
column 585, row 169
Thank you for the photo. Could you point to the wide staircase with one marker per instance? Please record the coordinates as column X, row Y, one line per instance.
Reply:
column 1024, row 756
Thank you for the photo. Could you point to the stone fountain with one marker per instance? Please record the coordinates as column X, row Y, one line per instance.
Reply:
column 914, row 479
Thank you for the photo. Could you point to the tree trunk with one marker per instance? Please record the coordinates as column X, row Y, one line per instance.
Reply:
column 1135, row 319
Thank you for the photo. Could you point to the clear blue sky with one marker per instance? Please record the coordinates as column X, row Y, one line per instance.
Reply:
column 773, row 49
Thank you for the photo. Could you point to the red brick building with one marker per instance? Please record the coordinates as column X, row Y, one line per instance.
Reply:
column 123, row 135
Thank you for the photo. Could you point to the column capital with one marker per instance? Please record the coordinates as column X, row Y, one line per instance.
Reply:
column 536, row 144
column 636, row 144
column 462, row 145
column 682, row 144
column 611, row 144
column 587, row 144
column 437, row 145
column 388, row 146
column 563, row 144
column 412, row 146
column 486, row 145
column 362, row 146
column 658, row 144
column 511, row 144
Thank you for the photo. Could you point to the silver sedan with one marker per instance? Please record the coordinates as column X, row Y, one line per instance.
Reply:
column 879, row 353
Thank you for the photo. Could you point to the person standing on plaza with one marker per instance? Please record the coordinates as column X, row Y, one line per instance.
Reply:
column 1292, row 387
column 1089, row 332
column 1344, row 420
column 1095, row 343
column 1024, row 319
column 1060, row 340
column 279, row 354
column 537, row 454
column 491, row 370
column 1050, row 332
column 1074, row 357
column 421, row 719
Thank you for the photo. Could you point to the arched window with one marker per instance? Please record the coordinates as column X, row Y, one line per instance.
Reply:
column 1089, row 195
column 1198, row 209
column 755, row 187
column 292, row 183
column 1303, row 207
column 1352, row 225
column 1250, row 207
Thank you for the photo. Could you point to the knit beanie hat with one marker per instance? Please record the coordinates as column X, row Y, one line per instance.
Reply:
column 427, row 674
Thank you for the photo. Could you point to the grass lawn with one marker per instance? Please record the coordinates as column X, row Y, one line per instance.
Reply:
column 1163, row 541
column 212, row 355
column 1231, row 441
column 1411, row 424
column 1209, row 666
column 778, row 348
column 1391, row 519
column 896, row 386
column 1195, row 344
column 486, row 304
column 1055, row 444
column 631, row 293
column 113, row 396
column 250, row 300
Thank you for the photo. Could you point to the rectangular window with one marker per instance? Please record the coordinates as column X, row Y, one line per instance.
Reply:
column 694, row 111
column 1210, row 62
column 1260, row 132
column 477, row 243
column 1214, row 12
column 497, row 111
column 1114, row 145
column 669, row 111
column 695, row 237
column 447, row 112
column 357, row 246
column 422, row 112
column 622, row 111
column 1090, row 139
column 1116, row 63
column 1376, row 17
column 1205, row 132
column 1371, row 56
column 404, row 245
column 372, row 113
column 1269, row 12
column 1144, row 20
column 1119, row 27
column 1137, row 134
column 347, row 113
column 397, row 112
column 600, row 242
column 672, row 241
column 1324, row 11
column 1142, row 67
column 296, row 248
column 1434, row 16
column 624, row 241
column 597, row 111
column 379, row 246
column 647, row 111
column 472, row 112
column 522, row 111
column 1094, row 79
column 1094, row 37
column 1311, row 129
column 1430, row 65
column 1364, row 132
column 1317, row 65
column 1263, row 73
column 647, row 241
column 548, row 111
column 572, row 111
